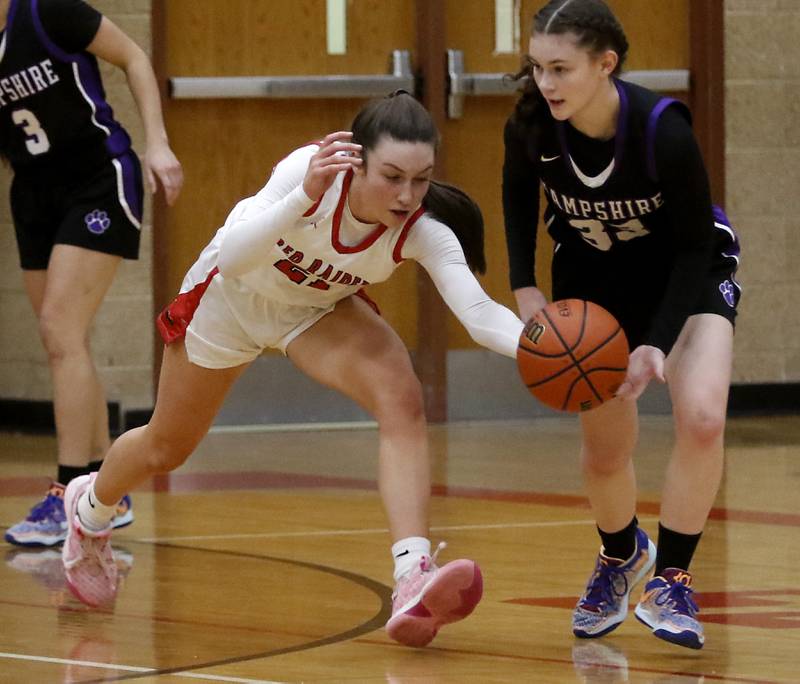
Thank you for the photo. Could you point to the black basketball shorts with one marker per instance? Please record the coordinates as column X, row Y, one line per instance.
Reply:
column 633, row 292
column 99, row 210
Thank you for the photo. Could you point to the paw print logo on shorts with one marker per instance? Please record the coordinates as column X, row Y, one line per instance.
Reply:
column 97, row 221
column 726, row 288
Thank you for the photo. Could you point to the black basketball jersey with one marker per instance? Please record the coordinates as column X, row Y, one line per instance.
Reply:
column 617, row 206
column 53, row 109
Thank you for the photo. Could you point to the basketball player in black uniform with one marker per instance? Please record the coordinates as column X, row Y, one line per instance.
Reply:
column 76, row 202
column 629, row 209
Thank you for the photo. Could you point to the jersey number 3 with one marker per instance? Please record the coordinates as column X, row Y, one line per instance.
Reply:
column 598, row 234
column 36, row 141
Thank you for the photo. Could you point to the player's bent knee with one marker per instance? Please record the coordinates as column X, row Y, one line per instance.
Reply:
column 58, row 343
column 400, row 400
column 166, row 454
column 701, row 426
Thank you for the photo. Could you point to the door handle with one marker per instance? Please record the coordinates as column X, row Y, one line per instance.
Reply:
column 323, row 86
column 461, row 84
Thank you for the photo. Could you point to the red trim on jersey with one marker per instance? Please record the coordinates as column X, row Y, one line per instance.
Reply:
column 398, row 247
column 314, row 206
column 175, row 318
column 337, row 220
column 369, row 300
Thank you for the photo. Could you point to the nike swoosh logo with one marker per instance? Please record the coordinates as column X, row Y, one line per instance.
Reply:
column 90, row 500
column 404, row 553
column 549, row 159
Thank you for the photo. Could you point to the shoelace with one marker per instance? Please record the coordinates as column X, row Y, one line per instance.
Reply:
column 90, row 551
column 96, row 550
column 429, row 562
column 678, row 597
column 46, row 508
column 601, row 589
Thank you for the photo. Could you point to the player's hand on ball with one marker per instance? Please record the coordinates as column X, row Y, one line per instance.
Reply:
column 530, row 301
column 645, row 363
column 336, row 153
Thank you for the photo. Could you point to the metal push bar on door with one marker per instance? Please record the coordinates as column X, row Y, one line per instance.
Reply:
column 462, row 84
column 332, row 86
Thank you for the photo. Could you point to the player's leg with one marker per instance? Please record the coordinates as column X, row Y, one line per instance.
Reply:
column 65, row 298
column 698, row 372
column 189, row 398
column 355, row 351
column 609, row 435
column 77, row 282
column 45, row 523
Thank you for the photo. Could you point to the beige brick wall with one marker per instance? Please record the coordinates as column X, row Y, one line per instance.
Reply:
column 762, row 106
column 123, row 330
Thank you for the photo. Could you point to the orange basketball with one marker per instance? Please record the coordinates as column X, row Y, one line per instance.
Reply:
column 573, row 355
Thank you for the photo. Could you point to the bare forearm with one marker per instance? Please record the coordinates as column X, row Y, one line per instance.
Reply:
column 143, row 86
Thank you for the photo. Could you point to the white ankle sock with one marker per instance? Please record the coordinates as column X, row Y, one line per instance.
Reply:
column 94, row 515
column 407, row 553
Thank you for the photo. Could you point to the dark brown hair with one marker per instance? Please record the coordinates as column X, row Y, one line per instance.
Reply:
column 594, row 25
column 401, row 117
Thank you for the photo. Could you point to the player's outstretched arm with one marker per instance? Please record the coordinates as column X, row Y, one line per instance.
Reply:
column 490, row 324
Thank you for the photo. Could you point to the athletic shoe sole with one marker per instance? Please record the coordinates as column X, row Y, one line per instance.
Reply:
column 451, row 596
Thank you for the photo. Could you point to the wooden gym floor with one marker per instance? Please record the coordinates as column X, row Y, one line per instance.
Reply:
column 265, row 559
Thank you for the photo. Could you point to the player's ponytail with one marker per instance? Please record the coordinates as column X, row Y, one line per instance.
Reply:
column 401, row 117
column 595, row 27
column 463, row 216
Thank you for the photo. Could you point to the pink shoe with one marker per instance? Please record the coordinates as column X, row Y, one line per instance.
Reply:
column 89, row 566
column 429, row 597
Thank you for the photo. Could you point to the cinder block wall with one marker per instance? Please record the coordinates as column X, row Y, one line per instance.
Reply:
column 123, row 331
column 762, row 107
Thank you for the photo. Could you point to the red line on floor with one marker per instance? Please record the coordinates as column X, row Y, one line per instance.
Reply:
column 179, row 482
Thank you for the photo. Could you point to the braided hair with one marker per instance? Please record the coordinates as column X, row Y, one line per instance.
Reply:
column 596, row 29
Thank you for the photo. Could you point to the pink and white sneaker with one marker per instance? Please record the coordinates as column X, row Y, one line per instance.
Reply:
column 89, row 566
column 429, row 596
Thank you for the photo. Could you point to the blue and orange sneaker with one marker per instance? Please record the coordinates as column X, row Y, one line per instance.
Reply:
column 604, row 604
column 46, row 523
column 667, row 608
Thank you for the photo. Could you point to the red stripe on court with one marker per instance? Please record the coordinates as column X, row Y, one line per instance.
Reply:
column 198, row 482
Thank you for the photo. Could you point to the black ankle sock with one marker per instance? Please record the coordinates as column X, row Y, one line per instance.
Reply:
column 68, row 473
column 675, row 550
column 620, row 544
column 94, row 466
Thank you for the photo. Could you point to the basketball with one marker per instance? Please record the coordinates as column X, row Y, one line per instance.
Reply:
column 572, row 355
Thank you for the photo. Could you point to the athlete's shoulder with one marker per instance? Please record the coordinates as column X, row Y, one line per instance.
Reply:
column 427, row 236
column 646, row 104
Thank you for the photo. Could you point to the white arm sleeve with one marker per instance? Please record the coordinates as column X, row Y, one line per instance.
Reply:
column 253, row 230
column 490, row 324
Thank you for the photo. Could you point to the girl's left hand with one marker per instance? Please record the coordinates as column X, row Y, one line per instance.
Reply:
column 645, row 362
column 161, row 163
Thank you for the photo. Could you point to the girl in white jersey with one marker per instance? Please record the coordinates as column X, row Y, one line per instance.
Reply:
column 282, row 272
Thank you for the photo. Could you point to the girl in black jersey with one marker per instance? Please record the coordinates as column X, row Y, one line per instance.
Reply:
column 76, row 202
column 628, row 205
